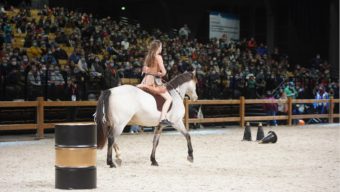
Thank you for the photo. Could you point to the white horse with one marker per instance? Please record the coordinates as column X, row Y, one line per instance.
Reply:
column 128, row 104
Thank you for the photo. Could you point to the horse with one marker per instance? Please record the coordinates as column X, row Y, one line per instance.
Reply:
column 128, row 104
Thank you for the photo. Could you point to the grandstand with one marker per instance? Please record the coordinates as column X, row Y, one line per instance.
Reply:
column 51, row 50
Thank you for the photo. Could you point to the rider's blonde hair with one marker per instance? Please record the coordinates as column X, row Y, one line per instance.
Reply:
column 152, row 52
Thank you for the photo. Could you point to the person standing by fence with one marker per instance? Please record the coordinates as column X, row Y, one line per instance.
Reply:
column 321, row 108
column 270, row 108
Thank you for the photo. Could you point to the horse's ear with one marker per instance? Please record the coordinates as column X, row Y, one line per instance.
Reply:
column 194, row 72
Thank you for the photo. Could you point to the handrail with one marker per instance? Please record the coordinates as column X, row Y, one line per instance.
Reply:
column 40, row 105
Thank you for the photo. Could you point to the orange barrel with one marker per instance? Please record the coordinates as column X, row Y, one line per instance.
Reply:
column 75, row 150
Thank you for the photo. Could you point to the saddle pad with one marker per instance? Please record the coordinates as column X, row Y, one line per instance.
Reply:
column 159, row 99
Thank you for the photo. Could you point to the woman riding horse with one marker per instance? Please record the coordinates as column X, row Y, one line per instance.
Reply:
column 154, row 69
column 112, row 113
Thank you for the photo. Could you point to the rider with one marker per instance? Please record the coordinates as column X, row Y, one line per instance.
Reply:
column 154, row 69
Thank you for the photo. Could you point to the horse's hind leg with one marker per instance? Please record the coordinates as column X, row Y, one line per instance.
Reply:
column 186, row 134
column 110, row 139
column 157, row 135
column 118, row 159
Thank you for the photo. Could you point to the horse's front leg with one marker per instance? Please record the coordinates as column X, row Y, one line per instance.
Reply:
column 186, row 134
column 157, row 135
column 110, row 142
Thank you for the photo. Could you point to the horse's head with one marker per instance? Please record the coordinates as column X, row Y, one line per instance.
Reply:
column 186, row 83
column 191, row 87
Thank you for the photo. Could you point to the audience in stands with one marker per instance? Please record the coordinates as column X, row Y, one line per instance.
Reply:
column 52, row 47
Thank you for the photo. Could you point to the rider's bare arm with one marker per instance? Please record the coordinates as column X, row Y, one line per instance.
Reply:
column 162, row 72
column 145, row 69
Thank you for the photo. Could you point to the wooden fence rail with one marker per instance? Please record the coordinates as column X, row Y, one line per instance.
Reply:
column 40, row 105
column 243, row 118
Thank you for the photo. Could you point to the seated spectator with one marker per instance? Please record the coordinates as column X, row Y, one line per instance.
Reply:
column 260, row 84
column 184, row 31
column 262, row 50
column 276, row 56
column 128, row 70
column 7, row 33
column 59, row 53
column 34, row 50
column 28, row 40
column 98, row 67
column 110, row 75
column 75, row 56
column 2, row 39
column 34, row 81
column 316, row 62
column 62, row 39
column 15, row 83
column 2, row 9
column 251, row 44
column 49, row 58
column 57, row 82
column 82, row 65
column 251, row 86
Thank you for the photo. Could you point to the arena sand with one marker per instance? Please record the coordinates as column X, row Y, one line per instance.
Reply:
column 304, row 159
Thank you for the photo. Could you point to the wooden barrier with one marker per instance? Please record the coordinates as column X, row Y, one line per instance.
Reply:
column 40, row 105
column 242, row 118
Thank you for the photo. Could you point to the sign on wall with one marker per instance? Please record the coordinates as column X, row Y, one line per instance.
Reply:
column 223, row 23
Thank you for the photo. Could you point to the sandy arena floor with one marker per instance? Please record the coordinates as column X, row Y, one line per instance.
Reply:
column 304, row 159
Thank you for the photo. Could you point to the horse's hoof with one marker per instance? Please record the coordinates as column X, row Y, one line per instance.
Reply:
column 119, row 162
column 154, row 163
column 111, row 164
column 190, row 159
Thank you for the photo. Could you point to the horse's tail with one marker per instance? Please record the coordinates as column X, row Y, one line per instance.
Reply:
column 103, row 118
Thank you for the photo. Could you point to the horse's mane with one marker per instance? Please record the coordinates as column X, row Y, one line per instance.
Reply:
column 179, row 80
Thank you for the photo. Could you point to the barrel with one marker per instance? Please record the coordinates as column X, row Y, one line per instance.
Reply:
column 75, row 149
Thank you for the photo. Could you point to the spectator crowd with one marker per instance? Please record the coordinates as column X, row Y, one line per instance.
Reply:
column 68, row 55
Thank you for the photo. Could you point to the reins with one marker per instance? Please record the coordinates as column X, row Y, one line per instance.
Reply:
column 167, row 83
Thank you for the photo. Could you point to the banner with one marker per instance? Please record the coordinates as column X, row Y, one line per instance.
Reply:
column 223, row 23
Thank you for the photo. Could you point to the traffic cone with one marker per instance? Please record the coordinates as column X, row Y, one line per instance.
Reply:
column 270, row 138
column 247, row 133
column 260, row 134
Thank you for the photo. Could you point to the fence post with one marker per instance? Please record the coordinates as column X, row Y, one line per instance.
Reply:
column 186, row 115
column 40, row 118
column 242, row 111
column 331, row 110
column 290, row 111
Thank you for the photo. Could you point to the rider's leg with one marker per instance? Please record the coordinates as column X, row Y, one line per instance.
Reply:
column 140, row 85
column 166, row 105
